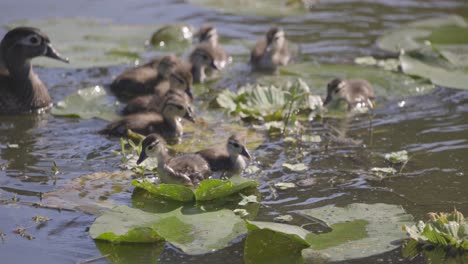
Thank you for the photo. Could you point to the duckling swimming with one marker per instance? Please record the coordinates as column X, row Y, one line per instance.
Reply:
column 187, row 169
column 21, row 90
column 271, row 51
column 357, row 93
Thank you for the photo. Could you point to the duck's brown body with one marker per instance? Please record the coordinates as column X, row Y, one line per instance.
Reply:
column 21, row 90
column 271, row 51
column 357, row 93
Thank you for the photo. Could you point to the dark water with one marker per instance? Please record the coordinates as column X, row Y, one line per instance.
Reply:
column 432, row 128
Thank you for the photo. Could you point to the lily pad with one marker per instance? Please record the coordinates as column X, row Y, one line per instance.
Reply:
column 92, row 102
column 98, row 43
column 194, row 233
column 172, row 37
column 170, row 191
column 358, row 231
column 212, row 189
column 269, row 8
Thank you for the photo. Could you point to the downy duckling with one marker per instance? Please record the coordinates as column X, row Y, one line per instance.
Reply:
column 204, row 60
column 208, row 34
column 270, row 51
column 167, row 123
column 228, row 158
column 180, row 82
column 21, row 90
column 357, row 93
column 144, row 79
column 187, row 169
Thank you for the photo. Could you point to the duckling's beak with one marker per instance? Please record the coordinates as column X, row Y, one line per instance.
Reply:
column 142, row 157
column 53, row 54
column 188, row 91
column 246, row 153
column 214, row 65
column 188, row 115
column 327, row 100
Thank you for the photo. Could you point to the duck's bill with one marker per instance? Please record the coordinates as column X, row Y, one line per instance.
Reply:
column 53, row 54
column 189, row 116
column 214, row 65
column 142, row 158
column 327, row 100
column 246, row 153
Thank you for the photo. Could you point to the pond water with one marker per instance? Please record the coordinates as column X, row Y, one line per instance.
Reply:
column 431, row 127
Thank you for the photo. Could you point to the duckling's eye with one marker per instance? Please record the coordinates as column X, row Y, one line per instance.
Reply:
column 179, row 107
column 31, row 40
column 204, row 57
column 235, row 145
column 150, row 147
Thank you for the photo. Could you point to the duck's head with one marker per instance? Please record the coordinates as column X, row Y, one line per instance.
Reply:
column 182, row 79
column 152, row 146
column 333, row 88
column 25, row 43
column 207, row 33
column 236, row 146
column 205, row 56
column 175, row 107
column 275, row 38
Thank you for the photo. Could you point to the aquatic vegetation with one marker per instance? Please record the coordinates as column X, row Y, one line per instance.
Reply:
column 446, row 230
column 397, row 157
column 174, row 37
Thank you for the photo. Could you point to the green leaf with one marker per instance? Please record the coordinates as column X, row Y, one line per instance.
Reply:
column 169, row 191
column 269, row 242
column 397, row 157
column 358, row 231
column 212, row 189
column 92, row 102
column 193, row 233
column 176, row 37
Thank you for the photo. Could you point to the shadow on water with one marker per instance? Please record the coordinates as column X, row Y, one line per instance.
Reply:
column 431, row 127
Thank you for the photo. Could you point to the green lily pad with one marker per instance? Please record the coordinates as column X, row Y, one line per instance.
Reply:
column 194, row 233
column 269, row 242
column 269, row 8
column 92, row 102
column 170, row 191
column 129, row 252
column 172, row 37
column 212, row 189
column 358, row 231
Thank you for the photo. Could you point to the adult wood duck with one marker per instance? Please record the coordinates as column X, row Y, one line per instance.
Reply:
column 229, row 158
column 270, row 51
column 21, row 90
column 205, row 60
column 187, row 169
column 356, row 93
column 167, row 123
column 145, row 79
column 180, row 83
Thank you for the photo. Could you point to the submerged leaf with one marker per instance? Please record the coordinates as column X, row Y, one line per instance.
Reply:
column 92, row 102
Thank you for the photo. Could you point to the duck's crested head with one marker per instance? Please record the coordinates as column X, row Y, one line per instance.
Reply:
column 207, row 33
column 151, row 146
column 175, row 106
column 24, row 43
column 236, row 146
column 182, row 79
column 168, row 64
column 275, row 37
column 207, row 56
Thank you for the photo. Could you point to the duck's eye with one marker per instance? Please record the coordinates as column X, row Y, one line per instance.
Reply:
column 204, row 57
column 150, row 147
column 179, row 107
column 34, row 40
column 235, row 145
column 31, row 40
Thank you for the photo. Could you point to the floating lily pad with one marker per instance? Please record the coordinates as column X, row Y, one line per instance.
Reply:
column 92, row 102
column 172, row 37
column 212, row 189
column 194, row 233
column 358, row 231
column 269, row 8
column 170, row 191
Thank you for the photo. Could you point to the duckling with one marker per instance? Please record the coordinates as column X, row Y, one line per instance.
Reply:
column 271, row 51
column 227, row 158
column 146, row 78
column 187, row 169
column 357, row 93
column 208, row 34
column 180, row 82
column 167, row 123
column 21, row 90
column 205, row 58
